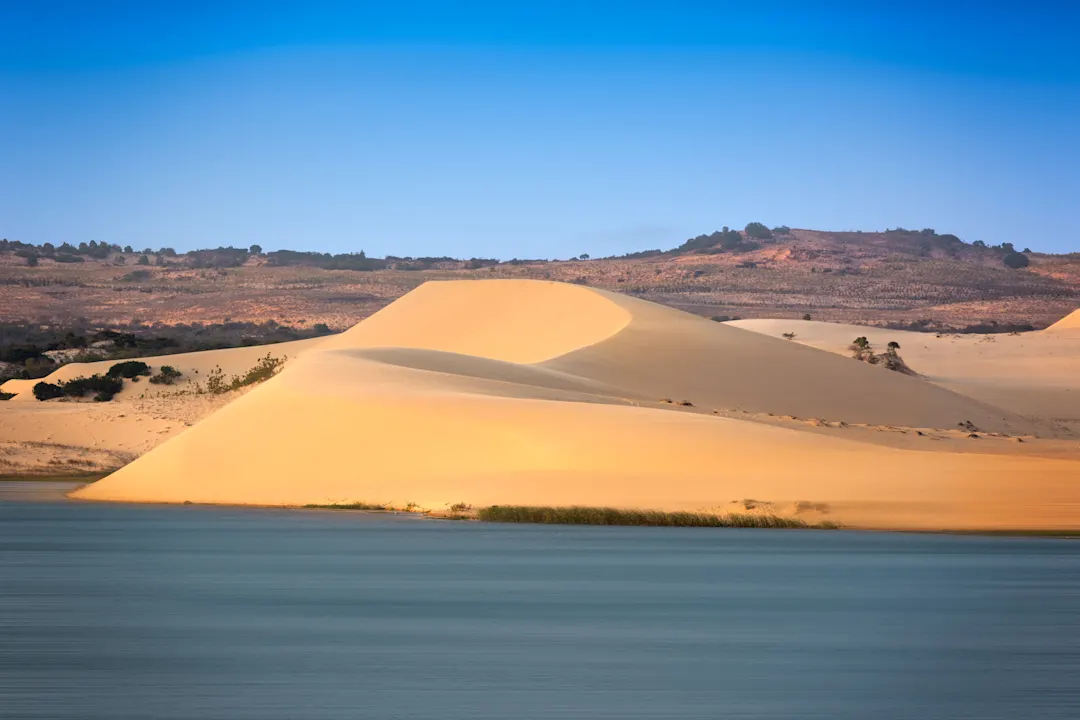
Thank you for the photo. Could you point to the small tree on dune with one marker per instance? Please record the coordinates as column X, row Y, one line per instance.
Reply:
column 862, row 350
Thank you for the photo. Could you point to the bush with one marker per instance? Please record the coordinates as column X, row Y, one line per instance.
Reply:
column 759, row 231
column 167, row 375
column 47, row 391
column 575, row 515
column 128, row 369
column 890, row 359
column 6, row 395
column 103, row 387
column 266, row 368
column 1016, row 260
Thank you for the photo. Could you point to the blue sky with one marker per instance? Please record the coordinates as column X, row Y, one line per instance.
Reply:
column 534, row 129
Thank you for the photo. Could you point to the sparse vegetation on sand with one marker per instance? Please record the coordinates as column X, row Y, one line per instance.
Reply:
column 577, row 515
column 166, row 375
column 6, row 395
column 218, row 384
column 862, row 350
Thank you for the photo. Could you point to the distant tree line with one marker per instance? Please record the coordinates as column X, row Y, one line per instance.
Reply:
column 925, row 242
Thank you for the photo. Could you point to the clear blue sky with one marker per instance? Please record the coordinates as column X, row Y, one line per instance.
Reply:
column 534, row 129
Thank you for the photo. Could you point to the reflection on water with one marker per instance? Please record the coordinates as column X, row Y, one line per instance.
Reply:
column 112, row 612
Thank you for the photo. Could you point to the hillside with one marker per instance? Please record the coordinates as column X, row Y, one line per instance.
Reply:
column 921, row 279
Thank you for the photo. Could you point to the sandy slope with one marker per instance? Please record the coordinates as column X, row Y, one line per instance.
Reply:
column 1035, row 374
column 489, row 392
column 59, row 437
column 1070, row 323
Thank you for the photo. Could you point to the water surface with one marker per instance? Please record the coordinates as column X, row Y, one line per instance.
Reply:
column 113, row 612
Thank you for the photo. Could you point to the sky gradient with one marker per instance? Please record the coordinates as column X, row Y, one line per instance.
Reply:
column 548, row 129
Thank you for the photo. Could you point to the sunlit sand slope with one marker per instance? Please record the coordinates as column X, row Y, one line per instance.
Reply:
column 462, row 392
column 194, row 366
column 1034, row 373
column 1070, row 322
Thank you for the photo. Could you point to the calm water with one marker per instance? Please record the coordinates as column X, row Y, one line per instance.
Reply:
column 182, row 612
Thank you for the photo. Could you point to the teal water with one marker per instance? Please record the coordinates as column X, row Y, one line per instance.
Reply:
column 115, row 612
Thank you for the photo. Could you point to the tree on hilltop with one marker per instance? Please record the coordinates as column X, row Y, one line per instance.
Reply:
column 758, row 231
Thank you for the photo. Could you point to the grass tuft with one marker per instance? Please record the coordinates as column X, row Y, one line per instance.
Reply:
column 576, row 515
column 345, row 506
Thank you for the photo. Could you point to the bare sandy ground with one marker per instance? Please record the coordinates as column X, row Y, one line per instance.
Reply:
column 530, row 392
column 1036, row 374
column 59, row 437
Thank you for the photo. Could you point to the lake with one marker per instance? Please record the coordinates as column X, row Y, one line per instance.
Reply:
column 114, row 611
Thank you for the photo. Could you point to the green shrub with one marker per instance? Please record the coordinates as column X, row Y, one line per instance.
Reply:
column 264, row 369
column 104, row 387
column 167, row 375
column 47, row 391
column 128, row 369
column 6, row 395
column 759, row 231
column 1016, row 260
column 576, row 515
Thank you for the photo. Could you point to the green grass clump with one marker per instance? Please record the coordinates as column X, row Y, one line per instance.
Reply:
column 6, row 395
column 577, row 515
column 345, row 506
column 167, row 375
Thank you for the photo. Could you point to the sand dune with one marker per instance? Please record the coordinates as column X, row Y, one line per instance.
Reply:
column 194, row 365
column 489, row 392
column 1069, row 323
column 1036, row 374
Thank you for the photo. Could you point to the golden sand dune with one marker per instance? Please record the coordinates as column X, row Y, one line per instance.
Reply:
column 1035, row 374
column 497, row 392
column 1070, row 323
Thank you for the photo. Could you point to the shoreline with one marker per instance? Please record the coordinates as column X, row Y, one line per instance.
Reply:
column 666, row 519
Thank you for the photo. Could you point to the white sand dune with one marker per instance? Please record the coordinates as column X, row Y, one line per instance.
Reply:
column 502, row 391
